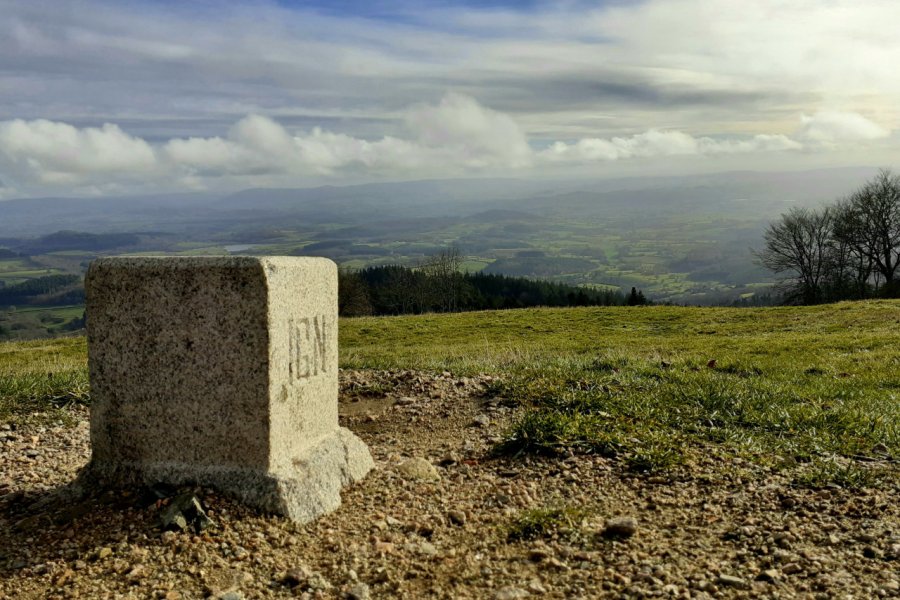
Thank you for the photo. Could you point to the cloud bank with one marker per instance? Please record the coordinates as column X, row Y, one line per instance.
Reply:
column 110, row 93
column 455, row 136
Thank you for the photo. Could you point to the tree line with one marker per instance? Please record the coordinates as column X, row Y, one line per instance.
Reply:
column 50, row 289
column 845, row 251
column 439, row 285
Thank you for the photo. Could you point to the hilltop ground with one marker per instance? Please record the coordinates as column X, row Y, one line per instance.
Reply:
column 624, row 452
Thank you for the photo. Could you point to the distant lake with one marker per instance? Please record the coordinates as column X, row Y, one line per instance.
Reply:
column 239, row 247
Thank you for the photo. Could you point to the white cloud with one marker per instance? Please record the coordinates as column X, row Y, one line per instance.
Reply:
column 454, row 136
column 479, row 136
column 832, row 127
column 53, row 152
column 655, row 143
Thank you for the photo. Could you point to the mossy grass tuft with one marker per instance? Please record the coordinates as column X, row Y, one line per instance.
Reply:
column 545, row 522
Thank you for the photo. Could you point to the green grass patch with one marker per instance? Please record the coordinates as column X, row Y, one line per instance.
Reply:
column 652, row 386
column 40, row 379
column 846, row 474
column 30, row 397
column 545, row 522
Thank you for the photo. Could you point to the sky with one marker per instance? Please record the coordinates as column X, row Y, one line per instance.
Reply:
column 119, row 97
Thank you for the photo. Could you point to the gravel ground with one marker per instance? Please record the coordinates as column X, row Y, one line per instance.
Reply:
column 433, row 520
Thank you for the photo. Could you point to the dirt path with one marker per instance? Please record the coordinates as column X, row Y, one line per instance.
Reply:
column 718, row 528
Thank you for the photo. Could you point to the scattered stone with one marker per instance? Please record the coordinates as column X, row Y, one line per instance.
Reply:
column 418, row 468
column 481, row 421
column 769, row 575
column 510, row 592
column 405, row 401
column 733, row 582
column 184, row 513
column 620, row 527
column 449, row 460
column 393, row 521
column 65, row 578
column 135, row 575
column 872, row 552
column 538, row 554
column 426, row 549
column 294, row 577
column 457, row 517
column 104, row 553
column 359, row 591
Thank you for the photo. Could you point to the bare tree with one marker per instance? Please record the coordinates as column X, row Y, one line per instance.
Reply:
column 443, row 270
column 870, row 223
column 853, row 268
column 798, row 245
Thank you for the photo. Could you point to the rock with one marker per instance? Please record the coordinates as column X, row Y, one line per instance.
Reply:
column 418, row 468
column 733, row 582
column 393, row 522
column 791, row 568
column 481, row 421
column 230, row 595
column 457, row 517
column 872, row 552
column 555, row 563
column 510, row 592
column 536, row 587
column 184, row 512
column 65, row 578
column 405, row 401
column 318, row 582
column 426, row 549
column 136, row 574
column 304, row 578
column 449, row 460
column 104, row 553
column 769, row 575
column 620, row 527
column 385, row 547
column 359, row 591
column 538, row 554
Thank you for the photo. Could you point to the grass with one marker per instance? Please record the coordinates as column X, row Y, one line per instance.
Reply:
column 545, row 522
column 790, row 388
column 654, row 387
column 40, row 379
column 849, row 475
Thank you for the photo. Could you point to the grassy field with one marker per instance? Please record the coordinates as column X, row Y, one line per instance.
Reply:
column 815, row 389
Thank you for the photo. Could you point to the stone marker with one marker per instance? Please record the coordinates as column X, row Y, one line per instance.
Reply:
column 222, row 372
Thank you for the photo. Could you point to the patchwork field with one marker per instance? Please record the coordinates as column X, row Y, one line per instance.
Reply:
column 596, row 452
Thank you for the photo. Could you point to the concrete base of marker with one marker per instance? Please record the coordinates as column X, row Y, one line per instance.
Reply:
column 314, row 489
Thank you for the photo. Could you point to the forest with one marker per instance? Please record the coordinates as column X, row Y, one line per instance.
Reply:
column 439, row 285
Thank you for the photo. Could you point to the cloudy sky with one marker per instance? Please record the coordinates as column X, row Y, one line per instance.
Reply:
column 127, row 96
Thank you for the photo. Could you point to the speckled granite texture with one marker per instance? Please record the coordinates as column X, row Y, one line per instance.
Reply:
column 220, row 371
